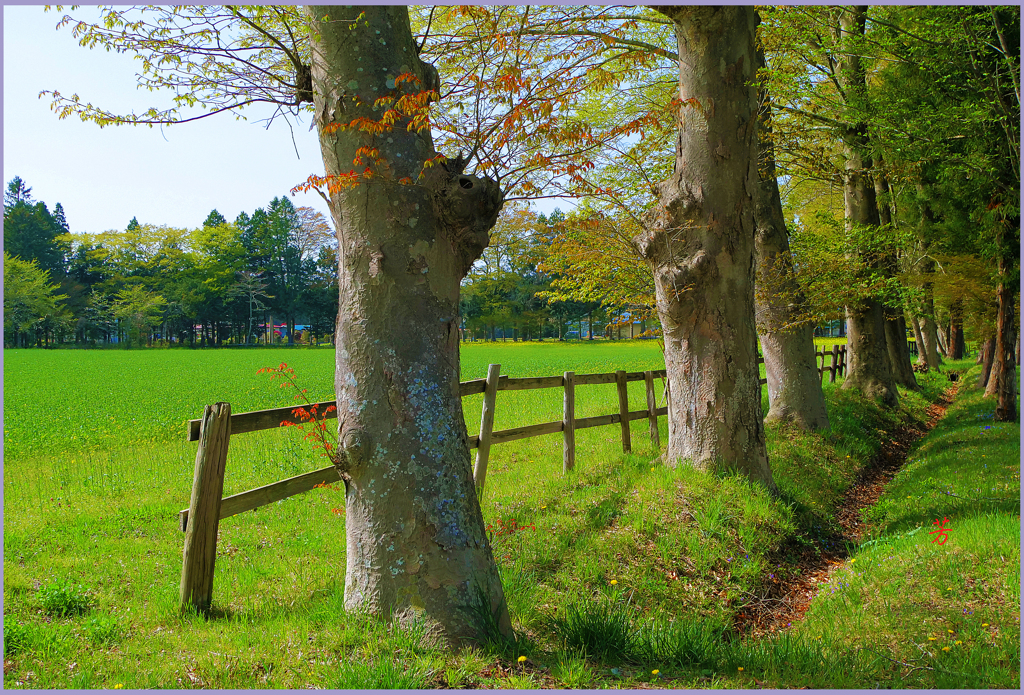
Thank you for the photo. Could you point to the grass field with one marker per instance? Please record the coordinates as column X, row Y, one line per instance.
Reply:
column 96, row 469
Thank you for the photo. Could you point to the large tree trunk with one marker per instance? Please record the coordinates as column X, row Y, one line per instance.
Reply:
column 895, row 325
column 794, row 385
column 416, row 545
column 926, row 311
column 1003, row 382
column 898, row 348
column 956, row 329
column 870, row 371
column 922, row 359
column 700, row 246
column 942, row 331
column 985, row 357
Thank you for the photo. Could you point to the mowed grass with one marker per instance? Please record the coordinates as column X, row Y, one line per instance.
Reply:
column 623, row 567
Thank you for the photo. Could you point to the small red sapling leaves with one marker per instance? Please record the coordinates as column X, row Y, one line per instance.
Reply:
column 308, row 414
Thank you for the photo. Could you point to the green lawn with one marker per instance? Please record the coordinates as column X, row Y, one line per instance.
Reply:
column 625, row 567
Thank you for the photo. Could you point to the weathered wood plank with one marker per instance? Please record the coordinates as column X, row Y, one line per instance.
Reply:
column 529, row 431
column 602, row 420
column 596, row 421
column 529, row 382
column 835, row 364
column 262, row 496
column 568, row 421
column 621, row 387
column 652, row 406
column 594, row 379
column 204, row 509
column 256, row 420
column 468, row 388
column 483, row 450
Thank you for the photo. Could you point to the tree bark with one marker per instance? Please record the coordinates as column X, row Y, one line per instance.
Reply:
column 1002, row 383
column 956, row 329
column 898, row 348
column 942, row 331
column 895, row 325
column 922, row 359
column 794, row 385
column 986, row 356
column 869, row 371
column 700, row 246
column 926, row 311
column 416, row 545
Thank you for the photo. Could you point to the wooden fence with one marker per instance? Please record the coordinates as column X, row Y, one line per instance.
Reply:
column 213, row 432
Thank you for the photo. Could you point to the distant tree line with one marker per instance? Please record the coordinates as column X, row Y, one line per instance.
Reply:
column 516, row 290
column 220, row 283
column 227, row 282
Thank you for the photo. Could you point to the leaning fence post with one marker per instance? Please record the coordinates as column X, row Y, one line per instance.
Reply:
column 204, row 508
column 835, row 364
column 483, row 449
column 620, row 382
column 652, row 409
column 569, row 422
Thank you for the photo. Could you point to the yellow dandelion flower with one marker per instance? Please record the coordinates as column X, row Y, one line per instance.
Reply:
column 958, row 642
column 931, row 639
column 984, row 624
column 945, row 649
column 118, row 686
column 543, row 506
column 949, row 631
column 739, row 668
column 522, row 659
column 949, row 588
column 614, row 582
column 655, row 671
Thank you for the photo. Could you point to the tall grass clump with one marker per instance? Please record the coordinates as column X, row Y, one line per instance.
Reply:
column 602, row 629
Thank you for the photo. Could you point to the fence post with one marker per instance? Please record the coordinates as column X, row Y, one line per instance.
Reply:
column 483, row 449
column 204, row 508
column 843, row 359
column 835, row 364
column 569, row 421
column 652, row 409
column 620, row 382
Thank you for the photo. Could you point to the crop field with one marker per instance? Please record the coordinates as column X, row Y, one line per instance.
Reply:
column 101, row 422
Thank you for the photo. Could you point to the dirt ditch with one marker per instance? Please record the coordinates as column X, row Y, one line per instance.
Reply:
column 786, row 602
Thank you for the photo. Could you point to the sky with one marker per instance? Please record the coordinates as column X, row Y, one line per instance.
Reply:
column 104, row 177
column 172, row 176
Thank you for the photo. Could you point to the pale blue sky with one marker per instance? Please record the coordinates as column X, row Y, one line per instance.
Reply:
column 104, row 177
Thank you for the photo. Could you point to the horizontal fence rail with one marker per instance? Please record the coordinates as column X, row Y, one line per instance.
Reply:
column 203, row 515
column 257, row 420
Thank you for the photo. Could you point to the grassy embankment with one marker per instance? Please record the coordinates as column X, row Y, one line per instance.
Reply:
column 624, row 567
